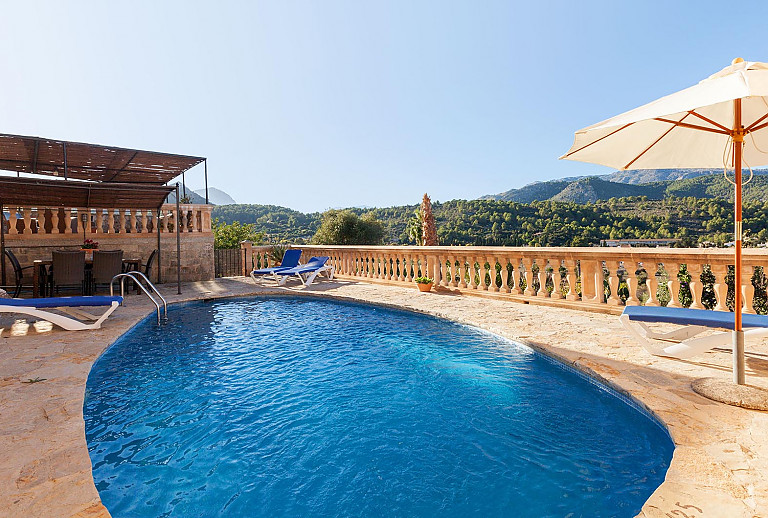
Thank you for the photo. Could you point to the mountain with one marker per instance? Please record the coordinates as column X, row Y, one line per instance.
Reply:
column 216, row 196
column 193, row 197
column 655, row 184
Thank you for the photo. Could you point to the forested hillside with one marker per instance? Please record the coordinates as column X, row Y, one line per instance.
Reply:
column 655, row 184
column 540, row 223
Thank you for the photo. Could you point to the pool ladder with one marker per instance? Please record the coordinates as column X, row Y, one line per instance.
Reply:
column 132, row 275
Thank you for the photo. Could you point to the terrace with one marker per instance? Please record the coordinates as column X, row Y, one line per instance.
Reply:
column 719, row 463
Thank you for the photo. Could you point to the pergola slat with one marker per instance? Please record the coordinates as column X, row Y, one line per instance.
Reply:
column 91, row 161
column 58, row 193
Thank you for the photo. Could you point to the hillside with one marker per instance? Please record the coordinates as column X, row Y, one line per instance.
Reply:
column 592, row 189
column 540, row 223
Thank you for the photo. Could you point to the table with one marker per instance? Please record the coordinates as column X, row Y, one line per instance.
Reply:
column 40, row 265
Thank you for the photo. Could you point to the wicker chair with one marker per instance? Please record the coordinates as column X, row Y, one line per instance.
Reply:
column 106, row 264
column 18, row 272
column 68, row 271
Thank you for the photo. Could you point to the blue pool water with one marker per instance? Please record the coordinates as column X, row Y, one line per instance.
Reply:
column 295, row 407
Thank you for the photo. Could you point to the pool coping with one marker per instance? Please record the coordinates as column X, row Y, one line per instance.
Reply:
column 709, row 476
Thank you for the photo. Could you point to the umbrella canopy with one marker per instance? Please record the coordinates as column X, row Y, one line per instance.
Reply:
column 720, row 122
column 688, row 129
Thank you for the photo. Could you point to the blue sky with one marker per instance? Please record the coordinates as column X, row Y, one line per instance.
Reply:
column 322, row 104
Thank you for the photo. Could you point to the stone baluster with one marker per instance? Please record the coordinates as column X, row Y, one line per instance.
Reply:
column 528, row 274
column 471, row 273
column 453, row 272
column 12, row 218
column 652, row 282
column 492, row 286
column 55, row 221
column 80, row 227
column 557, row 293
column 27, row 215
column 674, row 285
column 99, row 221
column 483, row 271
column 542, row 276
column 145, row 223
column 457, row 271
column 515, row 289
column 631, row 267
column 504, row 261
column 613, row 283
column 571, row 278
column 695, row 285
column 720, row 271
column 462, row 271
column 748, row 290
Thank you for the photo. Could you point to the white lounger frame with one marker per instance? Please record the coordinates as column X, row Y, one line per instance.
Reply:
column 681, row 343
column 310, row 276
column 68, row 323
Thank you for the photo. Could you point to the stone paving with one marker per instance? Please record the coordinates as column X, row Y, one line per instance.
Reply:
column 719, row 468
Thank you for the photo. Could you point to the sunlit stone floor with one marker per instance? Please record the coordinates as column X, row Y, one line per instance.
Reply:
column 720, row 465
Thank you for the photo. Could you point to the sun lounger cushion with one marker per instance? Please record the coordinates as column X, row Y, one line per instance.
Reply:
column 693, row 317
column 59, row 302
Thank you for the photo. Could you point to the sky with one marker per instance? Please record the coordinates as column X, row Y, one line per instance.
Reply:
column 324, row 104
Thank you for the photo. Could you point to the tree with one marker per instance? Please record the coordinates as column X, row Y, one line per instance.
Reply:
column 229, row 235
column 344, row 227
column 429, row 232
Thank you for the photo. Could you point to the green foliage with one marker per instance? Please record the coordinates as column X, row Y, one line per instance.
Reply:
column 423, row 280
column 415, row 227
column 540, row 223
column 344, row 227
column 229, row 235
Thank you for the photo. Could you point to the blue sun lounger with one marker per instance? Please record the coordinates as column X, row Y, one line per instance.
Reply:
column 290, row 260
column 74, row 319
column 681, row 343
column 306, row 272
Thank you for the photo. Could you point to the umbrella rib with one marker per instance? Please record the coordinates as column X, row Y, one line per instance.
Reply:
column 657, row 140
column 752, row 126
column 700, row 116
column 692, row 126
column 752, row 129
column 598, row 140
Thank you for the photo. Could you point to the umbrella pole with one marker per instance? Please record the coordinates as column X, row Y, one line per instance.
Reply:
column 738, row 333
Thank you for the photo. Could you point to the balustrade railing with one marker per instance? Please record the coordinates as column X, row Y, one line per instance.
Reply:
column 26, row 221
column 609, row 277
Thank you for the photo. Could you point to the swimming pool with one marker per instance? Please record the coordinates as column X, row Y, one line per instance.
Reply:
column 308, row 407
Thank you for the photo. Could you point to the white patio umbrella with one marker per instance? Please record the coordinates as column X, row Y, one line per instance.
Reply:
column 720, row 122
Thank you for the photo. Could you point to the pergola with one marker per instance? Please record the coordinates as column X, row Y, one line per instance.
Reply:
column 89, row 176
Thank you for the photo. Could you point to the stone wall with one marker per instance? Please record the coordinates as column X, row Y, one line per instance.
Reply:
column 196, row 251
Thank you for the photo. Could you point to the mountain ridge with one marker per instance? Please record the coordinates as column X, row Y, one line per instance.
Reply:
column 655, row 184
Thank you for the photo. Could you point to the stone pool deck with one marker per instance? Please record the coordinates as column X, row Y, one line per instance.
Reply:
column 720, row 464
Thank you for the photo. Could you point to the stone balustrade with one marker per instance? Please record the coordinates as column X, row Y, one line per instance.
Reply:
column 593, row 278
column 34, row 232
column 94, row 222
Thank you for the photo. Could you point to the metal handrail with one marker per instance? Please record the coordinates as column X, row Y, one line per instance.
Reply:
column 152, row 287
column 129, row 275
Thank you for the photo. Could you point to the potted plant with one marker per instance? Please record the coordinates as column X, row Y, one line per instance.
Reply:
column 424, row 283
column 89, row 245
